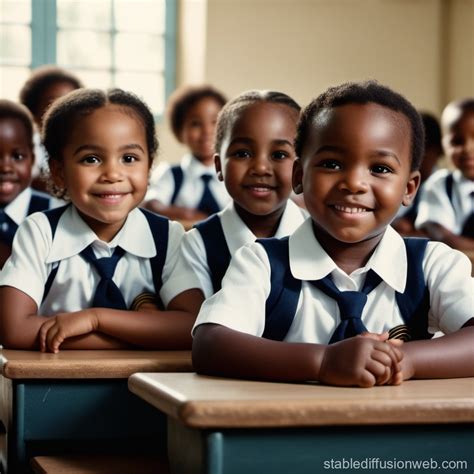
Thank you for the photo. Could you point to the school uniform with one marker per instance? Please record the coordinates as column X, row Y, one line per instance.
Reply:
column 36, row 254
column 194, row 255
column 186, row 188
column 448, row 205
column 240, row 305
column 14, row 213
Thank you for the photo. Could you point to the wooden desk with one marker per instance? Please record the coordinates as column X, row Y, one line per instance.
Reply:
column 79, row 401
column 232, row 426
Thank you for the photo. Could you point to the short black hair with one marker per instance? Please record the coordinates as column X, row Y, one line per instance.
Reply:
column 41, row 78
column 186, row 97
column 364, row 93
column 13, row 110
column 455, row 111
column 432, row 131
column 60, row 119
column 232, row 110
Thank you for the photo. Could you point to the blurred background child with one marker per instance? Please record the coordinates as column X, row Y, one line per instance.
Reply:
column 446, row 210
column 405, row 222
column 17, row 199
column 45, row 85
column 191, row 191
column 254, row 158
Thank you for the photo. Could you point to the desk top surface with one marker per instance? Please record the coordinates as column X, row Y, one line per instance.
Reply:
column 90, row 364
column 206, row 402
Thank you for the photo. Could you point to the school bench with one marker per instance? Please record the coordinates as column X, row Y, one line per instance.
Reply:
column 235, row 426
column 77, row 402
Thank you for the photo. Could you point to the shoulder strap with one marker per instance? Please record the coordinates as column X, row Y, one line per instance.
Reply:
column 38, row 202
column 178, row 177
column 159, row 227
column 449, row 186
column 414, row 303
column 281, row 304
column 53, row 216
column 217, row 252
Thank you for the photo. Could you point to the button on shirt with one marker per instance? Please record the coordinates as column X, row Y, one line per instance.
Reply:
column 240, row 305
column 436, row 207
column 192, row 187
column 35, row 254
column 193, row 253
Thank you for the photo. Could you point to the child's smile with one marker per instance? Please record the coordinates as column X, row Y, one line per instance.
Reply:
column 355, row 172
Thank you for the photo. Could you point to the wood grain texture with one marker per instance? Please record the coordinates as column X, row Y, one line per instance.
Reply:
column 208, row 402
column 90, row 364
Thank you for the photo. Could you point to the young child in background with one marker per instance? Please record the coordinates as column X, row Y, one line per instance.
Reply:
column 17, row 199
column 254, row 158
column 76, row 270
column 191, row 191
column 43, row 87
column 446, row 210
column 293, row 309
column 405, row 222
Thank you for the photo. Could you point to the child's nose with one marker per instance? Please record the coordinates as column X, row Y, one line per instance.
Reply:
column 261, row 164
column 112, row 171
column 5, row 163
column 354, row 181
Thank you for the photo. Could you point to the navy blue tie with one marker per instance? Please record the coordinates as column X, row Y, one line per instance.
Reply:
column 208, row 204
column 351, row 304
column 8, row 228
column 468, row 227
column 107, row 293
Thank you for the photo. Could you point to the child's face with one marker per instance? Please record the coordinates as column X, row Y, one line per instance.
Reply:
column 105, row 168
column 355, row 171
column 199, row 127
column 49, row 95
column 458, row 144
column 16, row 159
column 256, row 158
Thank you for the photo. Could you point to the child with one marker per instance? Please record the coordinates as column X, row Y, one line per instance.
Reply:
column 405, row 222
column 17, row 199
column 446, row 211
column 255, row 155
column 190, row 191
column 76, row 270
column 43, row 87
column 359, row 147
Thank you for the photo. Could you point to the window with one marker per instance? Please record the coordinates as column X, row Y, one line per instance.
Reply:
column 108, row 43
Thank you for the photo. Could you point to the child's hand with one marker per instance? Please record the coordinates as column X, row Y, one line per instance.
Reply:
column 64, row 325
column 361, row 360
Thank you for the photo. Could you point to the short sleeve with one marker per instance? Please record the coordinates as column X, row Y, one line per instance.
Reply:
column 162, row 188
column 240, row 304
column 448, row 276
column 26, row 269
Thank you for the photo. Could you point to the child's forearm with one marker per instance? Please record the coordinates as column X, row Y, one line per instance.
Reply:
column 448, row 356
column 95, row 341
column 440, row 233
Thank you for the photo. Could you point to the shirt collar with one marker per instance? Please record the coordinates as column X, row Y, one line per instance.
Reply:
column 73, row 235
column 195, row 169
column 309, row 261
column 17, row 210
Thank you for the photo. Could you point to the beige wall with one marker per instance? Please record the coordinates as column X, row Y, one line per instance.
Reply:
column 422, row 48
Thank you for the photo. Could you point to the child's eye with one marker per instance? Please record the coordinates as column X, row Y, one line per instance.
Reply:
column 381, row 169
column 330, row 164
column 241, row 154
column 280, row 155
column 17, row 156
column 90, row 160
column 129, row 159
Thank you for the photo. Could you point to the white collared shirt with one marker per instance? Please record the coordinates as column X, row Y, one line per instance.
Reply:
column 240, row 304
column 17, row 210
column 192, row 255
column 192, row 188
column 436, row 207
column 35, row 254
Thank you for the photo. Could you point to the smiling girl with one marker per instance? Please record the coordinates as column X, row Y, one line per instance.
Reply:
column 75, row 271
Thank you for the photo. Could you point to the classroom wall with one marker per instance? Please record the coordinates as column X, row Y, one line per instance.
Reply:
column 423, row 48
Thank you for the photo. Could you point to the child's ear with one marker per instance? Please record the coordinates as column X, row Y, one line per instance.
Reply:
column 297, row 178
column 57, row 173
column 412, row 187
column 218, row 165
